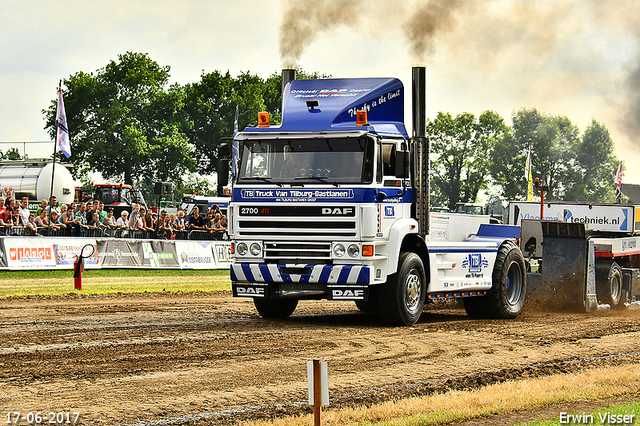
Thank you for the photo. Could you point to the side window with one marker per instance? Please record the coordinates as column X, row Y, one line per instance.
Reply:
column 389, row 159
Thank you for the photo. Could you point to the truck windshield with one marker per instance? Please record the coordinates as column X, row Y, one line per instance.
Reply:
column 325, row 160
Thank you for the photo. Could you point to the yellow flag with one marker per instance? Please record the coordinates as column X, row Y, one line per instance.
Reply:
column 529, row 177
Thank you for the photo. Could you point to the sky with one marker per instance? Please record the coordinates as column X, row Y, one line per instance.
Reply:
column 577, row 58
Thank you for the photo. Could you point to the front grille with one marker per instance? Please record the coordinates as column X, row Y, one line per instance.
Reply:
column 288, row 251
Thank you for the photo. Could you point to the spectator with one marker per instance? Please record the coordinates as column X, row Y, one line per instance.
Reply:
column 43, row 205
column 179, row 224
column 6, row 221
column 148, row 222
column 81, row 219
column 91, row 209
column 103, row 213
column 54, row 223
column 196, row 223
column 67, row 219
column 135, row 215
column 17, row 217
column 123, row 220
column 94, row 221
column 110, row 224
column 2, row 206
column 162, row 226
column 32, row 228
column 73, row 209
column 223, row 224
column 53, row 206
column 24, row 210
column 208, row 223
column 41, row 220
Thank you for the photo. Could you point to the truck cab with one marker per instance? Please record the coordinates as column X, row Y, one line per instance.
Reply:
column 333, row 204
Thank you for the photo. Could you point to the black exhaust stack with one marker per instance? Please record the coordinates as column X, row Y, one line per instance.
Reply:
column 420, row 149
column 288, row 74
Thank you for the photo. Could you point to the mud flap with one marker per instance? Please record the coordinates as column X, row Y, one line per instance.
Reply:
column 567, row 279
column 351, row 292
column 249, row 290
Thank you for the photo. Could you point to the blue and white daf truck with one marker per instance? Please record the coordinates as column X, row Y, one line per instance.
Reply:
column 333, row 204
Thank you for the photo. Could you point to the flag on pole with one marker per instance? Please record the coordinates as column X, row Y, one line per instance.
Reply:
column 62, row 137
column 528, row 175
column 619, row 184
column 235, row 149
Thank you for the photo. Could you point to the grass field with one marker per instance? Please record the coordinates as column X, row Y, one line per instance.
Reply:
column 108, row 281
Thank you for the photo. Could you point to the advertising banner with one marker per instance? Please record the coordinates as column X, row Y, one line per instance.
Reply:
column 195, row 254
column 159, row 254
column 120, row 253
column 61, row 253
column 32, row 253
column 67, row 249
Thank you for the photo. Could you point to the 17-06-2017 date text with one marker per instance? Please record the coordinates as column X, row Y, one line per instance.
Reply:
column 51, row 417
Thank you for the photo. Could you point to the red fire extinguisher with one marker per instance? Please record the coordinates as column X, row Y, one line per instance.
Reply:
column 78, row 265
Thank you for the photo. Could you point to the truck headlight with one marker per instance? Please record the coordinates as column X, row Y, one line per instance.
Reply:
column 338, row 250
column 255, row 249
column 353, row 250
column 242, row 249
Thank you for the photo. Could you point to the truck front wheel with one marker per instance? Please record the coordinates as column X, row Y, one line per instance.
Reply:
column 275, row 308
column 508, row 290
column 402, row 297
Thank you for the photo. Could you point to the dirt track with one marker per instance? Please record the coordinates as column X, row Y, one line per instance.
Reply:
column 138, row 358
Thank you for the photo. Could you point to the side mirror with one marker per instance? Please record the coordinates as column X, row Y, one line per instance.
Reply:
column 223, row 172
column 402, row 164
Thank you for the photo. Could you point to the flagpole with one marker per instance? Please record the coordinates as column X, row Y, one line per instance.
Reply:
column 55, row 147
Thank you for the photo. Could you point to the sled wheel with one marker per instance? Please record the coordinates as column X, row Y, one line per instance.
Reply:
column 275, row 308
column 508, row 290
column 609, row 285
column 401, row 298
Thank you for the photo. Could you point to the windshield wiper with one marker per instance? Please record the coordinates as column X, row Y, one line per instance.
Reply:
column 322, row 179
column 263, row 179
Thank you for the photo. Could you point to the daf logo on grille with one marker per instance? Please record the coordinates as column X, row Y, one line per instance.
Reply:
column 338, row 211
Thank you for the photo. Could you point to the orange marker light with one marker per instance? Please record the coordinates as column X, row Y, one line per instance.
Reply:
column 263, row 119
column 367, row 250
column 361, row 118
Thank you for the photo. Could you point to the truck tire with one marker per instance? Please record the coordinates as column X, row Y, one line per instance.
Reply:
column 508, row 290
column 401, row 298
column 369, row 306
column 275, row 308
column 609, row 284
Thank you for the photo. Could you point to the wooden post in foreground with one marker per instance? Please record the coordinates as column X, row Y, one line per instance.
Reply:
column 318, row 378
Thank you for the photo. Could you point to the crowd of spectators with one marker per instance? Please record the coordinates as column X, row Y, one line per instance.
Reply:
column 91, row 220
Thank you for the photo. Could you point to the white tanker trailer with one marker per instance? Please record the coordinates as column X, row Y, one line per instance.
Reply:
column 32, row 178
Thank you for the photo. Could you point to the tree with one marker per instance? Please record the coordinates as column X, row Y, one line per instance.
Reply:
column 10, row 154
column 460, row 150
column 123, row 123
column 575, row 168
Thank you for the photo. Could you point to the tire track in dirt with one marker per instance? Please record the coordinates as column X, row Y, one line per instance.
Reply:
column 145, row 357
